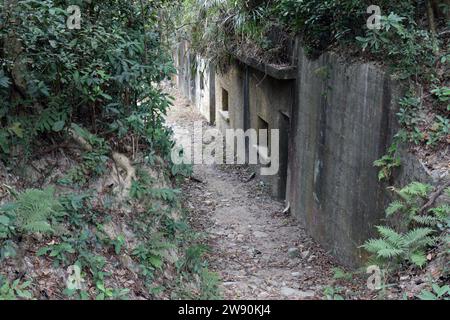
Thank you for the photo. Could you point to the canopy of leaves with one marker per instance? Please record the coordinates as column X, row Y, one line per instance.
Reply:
column 102, row 76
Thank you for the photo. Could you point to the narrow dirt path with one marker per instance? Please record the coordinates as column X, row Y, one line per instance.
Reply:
column 259, row 252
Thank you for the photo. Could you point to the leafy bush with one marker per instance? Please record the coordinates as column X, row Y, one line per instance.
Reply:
column 7, row 227
column 102, row 76
column 412, row 49
column 15, row 290
column 387, row 163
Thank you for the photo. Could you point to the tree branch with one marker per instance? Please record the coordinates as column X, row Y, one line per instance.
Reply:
column 434, row 197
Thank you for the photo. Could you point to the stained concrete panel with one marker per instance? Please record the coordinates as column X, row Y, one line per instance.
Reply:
column 231, row 81
column 205, row 100
column 272, row 100
column 343, row 122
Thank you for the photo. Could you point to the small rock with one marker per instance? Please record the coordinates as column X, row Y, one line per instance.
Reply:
column 296, row 274
column 229, row 284
column 289, row 292
column 305, row 254
column 264, row 295
column 307, row 294
column 259, row 234
column 294, row 253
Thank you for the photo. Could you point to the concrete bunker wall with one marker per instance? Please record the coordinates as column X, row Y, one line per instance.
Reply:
column 335, row 119
column 196, row 79
column 270, row 102
column 205, row 93
column 184, row 75
column 230, row 98
column 247, row 98
column 344, row 120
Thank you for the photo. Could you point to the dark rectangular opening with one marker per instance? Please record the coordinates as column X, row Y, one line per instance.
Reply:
column 202, row 81
column 225, row 101
column 263, row 125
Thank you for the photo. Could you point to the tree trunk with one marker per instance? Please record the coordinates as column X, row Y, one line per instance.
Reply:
column 431, row 16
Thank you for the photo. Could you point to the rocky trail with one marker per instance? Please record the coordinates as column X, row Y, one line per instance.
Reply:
column 258, row 251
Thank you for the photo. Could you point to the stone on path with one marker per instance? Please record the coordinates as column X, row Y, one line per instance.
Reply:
column 294, row 293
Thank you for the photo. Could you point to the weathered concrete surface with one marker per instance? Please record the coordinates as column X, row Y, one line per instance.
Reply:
column 335, row 120
column 196, row 79
column 205, row 93
column 280, row 73
column 344, row 121
column 232, row 84
column 255, row 98
column 272, row 100
column 185, row 78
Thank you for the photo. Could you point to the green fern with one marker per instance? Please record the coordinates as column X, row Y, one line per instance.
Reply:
column 50, row 119
column 34, row 210
column 419, row 237
column 416, row 189
column 410, row 246
column 411, row 200
column 426, row 220
column 394, row 207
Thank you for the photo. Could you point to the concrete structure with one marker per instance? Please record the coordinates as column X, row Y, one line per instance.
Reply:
column 196, row 79
column 182, row 59
column 271, row 102
column 248, row 98
column 336, row 118
column 205, row 93
column 341, row 125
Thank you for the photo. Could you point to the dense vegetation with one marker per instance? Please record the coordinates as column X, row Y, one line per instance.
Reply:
column 412, row 41
column 102, row 76
column 92, row 95
column 414, row 46
column 81, row 121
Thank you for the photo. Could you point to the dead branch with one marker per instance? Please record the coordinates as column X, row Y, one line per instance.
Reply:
column 434, row 197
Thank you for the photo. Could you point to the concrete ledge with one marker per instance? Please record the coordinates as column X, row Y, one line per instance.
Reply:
column 263, row 152
column 277, row 72
column 225, row 115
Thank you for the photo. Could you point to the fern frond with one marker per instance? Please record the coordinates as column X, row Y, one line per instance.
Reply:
column 34, row 209
column 390, row 253
column 418, row 258
column 394, row 207
column 382, row 248
column 417, row 189
column 442, row 212
column 419, row 236
column 426, row 220
column 38, row 227
column 390, row 235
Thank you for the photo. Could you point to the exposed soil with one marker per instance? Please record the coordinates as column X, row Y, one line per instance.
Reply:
column 258, row 251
